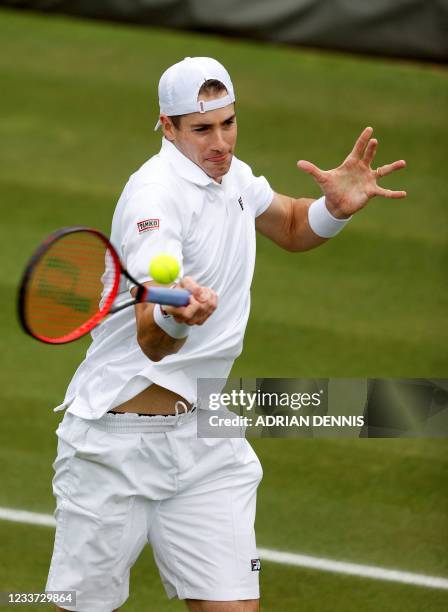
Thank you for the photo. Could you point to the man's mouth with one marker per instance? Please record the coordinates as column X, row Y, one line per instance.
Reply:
column 217, row 158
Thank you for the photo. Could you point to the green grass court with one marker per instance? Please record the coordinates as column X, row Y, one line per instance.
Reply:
column 77, row 108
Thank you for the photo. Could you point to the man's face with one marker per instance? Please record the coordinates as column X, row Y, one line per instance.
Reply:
column 207, row 139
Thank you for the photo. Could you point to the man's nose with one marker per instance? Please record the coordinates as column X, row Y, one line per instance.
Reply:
column 218, row 140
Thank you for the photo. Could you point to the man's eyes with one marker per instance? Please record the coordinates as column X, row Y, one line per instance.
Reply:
column 204, row 128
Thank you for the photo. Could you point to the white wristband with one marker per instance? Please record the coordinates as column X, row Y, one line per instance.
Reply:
column 322, row 221
column 169, row 325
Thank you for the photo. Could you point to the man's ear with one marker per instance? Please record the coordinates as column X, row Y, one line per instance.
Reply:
column 167, row 127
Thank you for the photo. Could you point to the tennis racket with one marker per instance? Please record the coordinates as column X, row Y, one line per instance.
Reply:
column 70, row 285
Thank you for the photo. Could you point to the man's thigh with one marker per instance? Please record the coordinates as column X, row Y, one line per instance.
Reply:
column 101, row 524
column 203, row 538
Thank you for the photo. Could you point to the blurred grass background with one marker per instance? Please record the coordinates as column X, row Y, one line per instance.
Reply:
column 77, row 106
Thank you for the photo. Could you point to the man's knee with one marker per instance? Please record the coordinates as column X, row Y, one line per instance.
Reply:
column 200, row 605
column 64, row 610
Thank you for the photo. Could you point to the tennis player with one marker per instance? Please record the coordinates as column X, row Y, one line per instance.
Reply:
column 130, row 469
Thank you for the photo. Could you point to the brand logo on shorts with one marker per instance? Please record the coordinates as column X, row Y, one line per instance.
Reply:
column 255, row 565
column 240, row 202
column 147, row 225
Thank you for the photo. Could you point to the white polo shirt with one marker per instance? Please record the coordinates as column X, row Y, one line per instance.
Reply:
column 170, row 205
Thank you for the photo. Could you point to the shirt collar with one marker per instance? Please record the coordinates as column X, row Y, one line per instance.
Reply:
column 184, row 166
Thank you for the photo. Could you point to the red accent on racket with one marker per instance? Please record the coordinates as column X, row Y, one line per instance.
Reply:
column 70, row 285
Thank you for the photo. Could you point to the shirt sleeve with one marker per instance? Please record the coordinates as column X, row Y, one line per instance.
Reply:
column 257, row 191
column 262, row 194
column 152, row 224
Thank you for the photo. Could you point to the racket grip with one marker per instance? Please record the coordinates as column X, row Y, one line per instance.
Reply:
column 168, row 297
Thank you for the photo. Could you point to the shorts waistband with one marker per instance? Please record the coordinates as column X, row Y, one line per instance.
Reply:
column 129, row 422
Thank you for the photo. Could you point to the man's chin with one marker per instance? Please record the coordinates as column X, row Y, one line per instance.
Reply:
column 217, row 170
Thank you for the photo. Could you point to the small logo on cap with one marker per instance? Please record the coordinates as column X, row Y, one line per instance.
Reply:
column 147, row 225
column 255, row 565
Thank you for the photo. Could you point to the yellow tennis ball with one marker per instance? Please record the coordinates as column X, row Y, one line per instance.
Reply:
column 164, row 268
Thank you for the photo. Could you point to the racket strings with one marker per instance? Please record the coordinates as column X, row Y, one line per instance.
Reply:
column 72, row 283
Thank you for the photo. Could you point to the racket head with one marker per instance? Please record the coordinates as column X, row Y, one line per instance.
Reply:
column 69, row 285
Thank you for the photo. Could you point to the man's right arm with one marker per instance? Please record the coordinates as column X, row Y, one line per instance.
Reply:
column 157, row 343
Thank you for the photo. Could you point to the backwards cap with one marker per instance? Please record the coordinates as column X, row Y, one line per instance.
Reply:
column 179, row 87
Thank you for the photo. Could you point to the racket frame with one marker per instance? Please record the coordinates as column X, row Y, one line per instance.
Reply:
column 142, row 294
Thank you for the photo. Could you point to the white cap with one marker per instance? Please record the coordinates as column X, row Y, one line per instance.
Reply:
column 179, row 87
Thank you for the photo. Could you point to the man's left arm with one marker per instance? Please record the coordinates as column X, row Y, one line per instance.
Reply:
column 302, row 224
column 286, row 223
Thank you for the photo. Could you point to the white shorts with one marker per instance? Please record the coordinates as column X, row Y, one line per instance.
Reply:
column 124, row 481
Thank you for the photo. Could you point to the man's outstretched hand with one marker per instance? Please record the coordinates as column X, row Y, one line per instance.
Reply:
column 349, row 187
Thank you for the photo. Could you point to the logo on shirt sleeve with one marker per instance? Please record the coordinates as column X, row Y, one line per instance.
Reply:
column 148, row 225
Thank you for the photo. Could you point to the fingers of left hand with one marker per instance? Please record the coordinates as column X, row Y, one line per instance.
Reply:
column 370, row 151
column 311, row 169
column 384, row 171
column 388, row 168
column 388, row 193
column 360, row 144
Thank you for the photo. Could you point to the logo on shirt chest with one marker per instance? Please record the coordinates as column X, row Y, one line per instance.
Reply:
column 240, row 202
column 147, row 225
